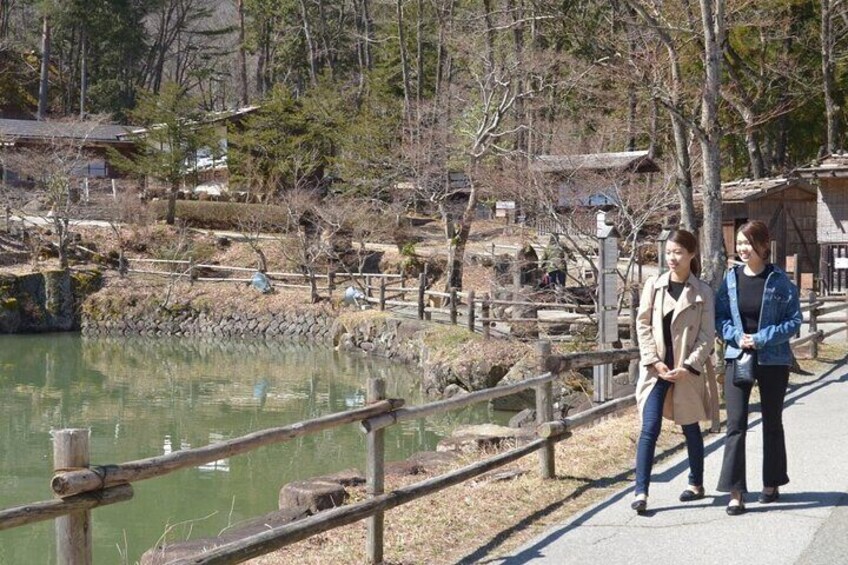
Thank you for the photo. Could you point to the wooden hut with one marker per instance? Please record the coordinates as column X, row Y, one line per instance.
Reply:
column 829, row 176
column 787, row 205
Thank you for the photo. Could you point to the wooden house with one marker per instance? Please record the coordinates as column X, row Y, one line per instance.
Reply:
column 787, row 205
column 583, row 184
column 92, row 138
column 829, row 176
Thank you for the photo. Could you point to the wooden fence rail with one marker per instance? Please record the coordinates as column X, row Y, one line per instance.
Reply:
column 86, row 488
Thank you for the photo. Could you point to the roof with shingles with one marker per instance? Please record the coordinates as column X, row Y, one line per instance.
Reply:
column 631, row 161
column 45, row 130
column 833, row 165
column 746, row 190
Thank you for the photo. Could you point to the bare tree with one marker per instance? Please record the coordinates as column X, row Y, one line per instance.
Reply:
column 57, row 164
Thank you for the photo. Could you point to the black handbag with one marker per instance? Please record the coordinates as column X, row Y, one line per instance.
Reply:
column 743, row 368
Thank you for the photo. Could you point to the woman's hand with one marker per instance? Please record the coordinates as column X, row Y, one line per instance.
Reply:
column 747, row 341
column 676, row 374
column 661, row 369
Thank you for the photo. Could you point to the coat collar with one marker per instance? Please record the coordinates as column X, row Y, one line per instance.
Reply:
column 691, row 290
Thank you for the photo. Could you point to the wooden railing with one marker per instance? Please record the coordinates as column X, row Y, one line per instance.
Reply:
column 84, row 487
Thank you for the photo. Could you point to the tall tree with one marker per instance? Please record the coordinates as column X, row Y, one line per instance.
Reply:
column 175, row 129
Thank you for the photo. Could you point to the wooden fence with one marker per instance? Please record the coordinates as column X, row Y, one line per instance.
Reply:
column 197, row 271
column 82, row 487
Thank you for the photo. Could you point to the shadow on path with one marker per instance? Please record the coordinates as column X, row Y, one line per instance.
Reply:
column 790, row 501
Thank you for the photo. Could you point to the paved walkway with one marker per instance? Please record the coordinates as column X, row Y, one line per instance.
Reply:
column 807, row 526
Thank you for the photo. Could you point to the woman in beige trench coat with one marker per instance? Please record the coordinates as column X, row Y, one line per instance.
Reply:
column 675, row 326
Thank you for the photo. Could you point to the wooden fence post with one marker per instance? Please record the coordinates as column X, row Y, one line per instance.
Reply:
column 485, row 313
column 471, row 311
column 368, row 291
column 122, row 264
column 374, row 475
column 453, row 313
column 545, row 412
column 814, row 325
column 422, row 281
column 846, row 313
column 382, row 294
column 191, row 273
column 633, row 368
column 73, row 531
column 331, row 284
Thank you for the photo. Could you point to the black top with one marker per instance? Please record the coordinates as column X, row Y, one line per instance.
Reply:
column 750, row 295
column 675, row 289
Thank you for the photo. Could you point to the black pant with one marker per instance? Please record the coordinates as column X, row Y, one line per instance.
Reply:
column 772, row 380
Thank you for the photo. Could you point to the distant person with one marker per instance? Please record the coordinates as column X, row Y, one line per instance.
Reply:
column 676, row 330
column 757, row 313
column 554, row 263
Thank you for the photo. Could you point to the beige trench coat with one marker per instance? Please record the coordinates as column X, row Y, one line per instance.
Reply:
column 693, row 398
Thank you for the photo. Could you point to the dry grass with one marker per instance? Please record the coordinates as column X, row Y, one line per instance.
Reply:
column 483, row 519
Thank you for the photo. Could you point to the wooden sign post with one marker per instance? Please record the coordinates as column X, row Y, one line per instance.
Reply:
column 607, row 306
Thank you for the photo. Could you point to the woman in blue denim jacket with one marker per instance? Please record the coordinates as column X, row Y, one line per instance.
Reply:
column 757, row 311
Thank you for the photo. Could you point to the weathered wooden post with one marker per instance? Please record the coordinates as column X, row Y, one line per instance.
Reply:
column 73, row 531
column 422, row 282
column 453, row 312
column 331, row 284
column 545, row 412
column 607, row 306
column 191, row 273
column 814, row 326
column 368, row 291
column 382, row 294
column 122, row 264
column 485, row 314
column 796, row 277
column 374, row 474
column 471, row 311
column 661, row 241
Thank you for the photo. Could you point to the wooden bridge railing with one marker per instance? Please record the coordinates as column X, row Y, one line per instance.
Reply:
column 83, row 486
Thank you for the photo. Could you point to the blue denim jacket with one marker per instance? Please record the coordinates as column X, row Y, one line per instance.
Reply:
column 780, row 318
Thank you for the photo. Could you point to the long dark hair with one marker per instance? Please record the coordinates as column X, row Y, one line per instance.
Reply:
column 689, row 242
column 757, row 234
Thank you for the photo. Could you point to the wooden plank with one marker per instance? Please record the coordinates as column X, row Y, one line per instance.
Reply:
column 52, row 509
column 86, row 480
column 281, row 536
column 560, row 363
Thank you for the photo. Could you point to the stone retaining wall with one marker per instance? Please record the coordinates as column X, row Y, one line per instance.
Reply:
column 314, row 325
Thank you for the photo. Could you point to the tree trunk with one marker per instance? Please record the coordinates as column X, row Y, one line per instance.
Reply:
column 310, row 46
column 683, row 172
column 242, row 55
column 83, row 74
column 712, row 241
column 45, row 69
column 172, row 203
column 404, row 64
column 828, row 65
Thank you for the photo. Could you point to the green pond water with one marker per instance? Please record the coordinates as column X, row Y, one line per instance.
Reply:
column 146, row 397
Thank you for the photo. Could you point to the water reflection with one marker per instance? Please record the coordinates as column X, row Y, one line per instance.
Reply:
column 146, row 397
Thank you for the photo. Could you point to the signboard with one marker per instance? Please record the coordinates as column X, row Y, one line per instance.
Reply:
column 840, row 262
column 610, row 326
column 601, row 221
column 504, row 205
column 610, row 282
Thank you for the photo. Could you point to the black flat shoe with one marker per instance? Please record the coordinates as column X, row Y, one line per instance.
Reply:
column 769, row 498
column 690, row 495
column 735, row 510
column 640, row 506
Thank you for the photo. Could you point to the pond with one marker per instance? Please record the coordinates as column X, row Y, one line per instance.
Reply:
column 146, row 397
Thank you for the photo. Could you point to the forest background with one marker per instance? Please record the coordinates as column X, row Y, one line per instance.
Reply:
column 373, row 93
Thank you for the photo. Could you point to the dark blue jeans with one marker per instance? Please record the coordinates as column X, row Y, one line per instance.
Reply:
column 651, row 425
